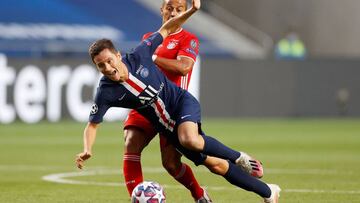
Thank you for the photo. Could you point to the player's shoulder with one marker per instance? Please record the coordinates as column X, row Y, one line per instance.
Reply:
column 147, row 35
column 105, row 90
column 189, row 34
column 105, row 84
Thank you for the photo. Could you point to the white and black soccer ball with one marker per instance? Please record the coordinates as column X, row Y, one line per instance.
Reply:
column 148, row 192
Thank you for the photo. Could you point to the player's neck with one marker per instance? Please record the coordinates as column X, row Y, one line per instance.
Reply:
column 177, row 31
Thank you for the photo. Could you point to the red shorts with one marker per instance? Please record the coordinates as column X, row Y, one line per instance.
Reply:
column 134, row 119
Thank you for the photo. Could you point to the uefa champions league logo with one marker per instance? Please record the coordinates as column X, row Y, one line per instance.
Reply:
column 94, row 109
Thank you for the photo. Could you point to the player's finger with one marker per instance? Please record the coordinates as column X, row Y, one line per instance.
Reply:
column 83, row 156
column 79, row 164
column 80, row 158
column 79, row 161
column 196, row 4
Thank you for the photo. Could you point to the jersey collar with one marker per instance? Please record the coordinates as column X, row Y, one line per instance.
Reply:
column 181, row 29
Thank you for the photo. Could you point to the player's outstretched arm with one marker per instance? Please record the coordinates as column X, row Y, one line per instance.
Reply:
column 175, row 23
column 181, row 66
column 89, row 139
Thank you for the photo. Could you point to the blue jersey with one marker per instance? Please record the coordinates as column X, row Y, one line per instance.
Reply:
column 147, row 90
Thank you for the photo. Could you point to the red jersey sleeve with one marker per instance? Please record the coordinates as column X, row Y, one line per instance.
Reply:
column 189, row 47
column 147, row 35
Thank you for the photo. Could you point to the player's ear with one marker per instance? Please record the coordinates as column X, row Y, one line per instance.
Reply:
column 162, row 8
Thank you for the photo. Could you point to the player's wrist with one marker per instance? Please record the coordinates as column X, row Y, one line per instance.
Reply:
column 154, row 57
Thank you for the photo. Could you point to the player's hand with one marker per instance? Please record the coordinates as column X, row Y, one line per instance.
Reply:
column 196, row 4
column 81, row 158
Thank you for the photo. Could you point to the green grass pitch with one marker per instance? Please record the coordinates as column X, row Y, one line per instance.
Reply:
column 313, row 160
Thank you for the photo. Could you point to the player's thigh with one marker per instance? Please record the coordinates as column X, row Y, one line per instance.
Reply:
column 136, row 139
column 138, row 132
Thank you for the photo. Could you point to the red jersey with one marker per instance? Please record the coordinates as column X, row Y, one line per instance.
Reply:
column 179, row 44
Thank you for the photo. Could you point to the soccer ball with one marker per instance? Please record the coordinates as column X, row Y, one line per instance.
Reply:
column 148, row 192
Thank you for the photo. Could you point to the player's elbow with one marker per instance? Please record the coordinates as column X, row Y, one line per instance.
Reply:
column 185, row 69
column 92, row 125
column 185, row 65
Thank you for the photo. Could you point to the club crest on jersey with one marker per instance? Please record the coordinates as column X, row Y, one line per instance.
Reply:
column 193, row 44
column 172, row 44
column 143, row 71
column 94, row 109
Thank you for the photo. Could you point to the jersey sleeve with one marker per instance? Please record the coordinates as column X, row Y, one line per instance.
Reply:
column 189, row 47
column 148, row 46
column 99, row 108
column 146, row 35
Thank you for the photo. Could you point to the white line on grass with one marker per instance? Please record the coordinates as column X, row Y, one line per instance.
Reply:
column 161, row 170
column 64, row 179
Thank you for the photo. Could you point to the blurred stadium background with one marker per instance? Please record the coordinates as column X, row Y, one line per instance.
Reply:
column 47, row 83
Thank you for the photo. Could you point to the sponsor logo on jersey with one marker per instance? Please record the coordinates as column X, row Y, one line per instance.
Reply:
column 149, row 95
column 94, row 109
column 139, row 69
column 193, row 44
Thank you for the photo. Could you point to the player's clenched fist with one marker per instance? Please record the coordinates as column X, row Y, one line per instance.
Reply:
column 80, row 159
column 196, row 4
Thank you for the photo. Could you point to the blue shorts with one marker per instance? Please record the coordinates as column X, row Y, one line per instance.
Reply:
column 189, row 111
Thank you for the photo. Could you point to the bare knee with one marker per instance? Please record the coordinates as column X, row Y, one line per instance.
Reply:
column 216, row 165
column 217, row 169
column 171, row 166
column 191, row 141
column 135, row 140
column 189, row 137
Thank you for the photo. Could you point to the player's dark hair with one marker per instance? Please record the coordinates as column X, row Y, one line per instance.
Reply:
column 100, row 45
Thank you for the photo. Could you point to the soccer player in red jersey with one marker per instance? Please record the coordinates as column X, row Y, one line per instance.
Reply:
column 175, row 57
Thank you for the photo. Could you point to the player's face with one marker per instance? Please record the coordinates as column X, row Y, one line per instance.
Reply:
column 172, row 8
column 109, row 64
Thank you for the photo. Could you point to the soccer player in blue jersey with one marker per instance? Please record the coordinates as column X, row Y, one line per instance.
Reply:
column 133, row 81
column 175, row 57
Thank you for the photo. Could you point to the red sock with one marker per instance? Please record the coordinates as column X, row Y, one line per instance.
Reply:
column 185, row 176
column 132, row 171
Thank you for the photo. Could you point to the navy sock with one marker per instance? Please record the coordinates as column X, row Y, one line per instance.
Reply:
column 240, row 178
column 217, row 149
